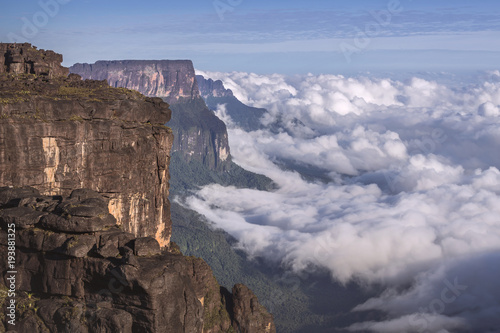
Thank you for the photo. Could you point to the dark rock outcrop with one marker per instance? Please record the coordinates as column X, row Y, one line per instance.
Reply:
column 62, row 133
column 211, row 88
column 106, row 280
column 26, row 59
column 215, row 94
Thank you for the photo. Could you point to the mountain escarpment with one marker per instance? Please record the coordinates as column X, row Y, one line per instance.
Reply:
column 77, row 271
column 84, row 185
column 200, row 135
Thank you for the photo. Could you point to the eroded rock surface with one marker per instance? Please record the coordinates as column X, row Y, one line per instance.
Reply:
column 200, row 135
column 106, row 280
column 58, row 133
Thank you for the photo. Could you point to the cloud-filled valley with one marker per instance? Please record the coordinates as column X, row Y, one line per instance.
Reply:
column 406, row 194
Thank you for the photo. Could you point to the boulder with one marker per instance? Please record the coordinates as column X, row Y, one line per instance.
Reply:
column 11, row 196
column 22, row 217
column 77, row 224
column 146, row 246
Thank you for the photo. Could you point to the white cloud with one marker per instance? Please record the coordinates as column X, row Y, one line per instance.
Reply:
column 412, row 200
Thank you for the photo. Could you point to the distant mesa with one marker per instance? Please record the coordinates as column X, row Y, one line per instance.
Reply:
column 169, row 79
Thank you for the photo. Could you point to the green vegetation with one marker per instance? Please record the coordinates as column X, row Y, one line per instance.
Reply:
column 75, row 118
column 94, row 93
column 216, row 316
column 246, row 117
column 12, row 100
column 22, row 87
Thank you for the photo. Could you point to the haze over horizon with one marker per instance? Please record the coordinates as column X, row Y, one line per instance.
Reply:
column 287, row 37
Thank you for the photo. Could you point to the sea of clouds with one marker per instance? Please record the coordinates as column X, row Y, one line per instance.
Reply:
column 410, row 201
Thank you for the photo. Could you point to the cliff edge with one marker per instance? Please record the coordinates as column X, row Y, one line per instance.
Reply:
column 59, row 133
column 84, row 185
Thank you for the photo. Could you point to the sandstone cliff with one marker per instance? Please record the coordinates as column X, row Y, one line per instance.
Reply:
column 170, row 79
column 200, row 135
column 88, row 261
column 26, row 59
column 64, row 133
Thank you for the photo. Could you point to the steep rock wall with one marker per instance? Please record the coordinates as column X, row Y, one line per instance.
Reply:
column 60, row 134
column 26, row 59
column 172, row 79
column 199, row 134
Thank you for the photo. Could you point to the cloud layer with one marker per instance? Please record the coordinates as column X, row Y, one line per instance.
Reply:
column 408, row 197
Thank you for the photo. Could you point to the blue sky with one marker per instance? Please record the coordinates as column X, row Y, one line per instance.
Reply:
column 292, row 36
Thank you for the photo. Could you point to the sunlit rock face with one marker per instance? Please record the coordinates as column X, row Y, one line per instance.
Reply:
column 59, row 133
column 172, row 79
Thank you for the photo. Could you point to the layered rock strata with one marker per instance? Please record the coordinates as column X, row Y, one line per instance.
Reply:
column 26, row 59
column 169, row 79
column 63, row 133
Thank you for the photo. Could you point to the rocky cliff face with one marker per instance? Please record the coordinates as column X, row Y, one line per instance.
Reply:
column 88, row 261
column 215, row 94
column 200, row 135
column 170, row 79
column 26, row 59
column 77, row 271
column 64, row 133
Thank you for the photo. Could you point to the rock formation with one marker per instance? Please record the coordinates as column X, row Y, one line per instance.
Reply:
column 170, row 79
column 26, row 59
column 215, row 94
column 96, row 260
column 64, row 133
column 78, row 271
column 211, row 88
column 200, row 135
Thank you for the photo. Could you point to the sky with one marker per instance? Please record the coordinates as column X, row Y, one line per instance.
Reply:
column 288, row 37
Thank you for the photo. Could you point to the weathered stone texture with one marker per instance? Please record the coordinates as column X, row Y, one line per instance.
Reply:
column 98, row 258
column 26, row 59
column 61, row 134
column 199, row 134
column 102, row 279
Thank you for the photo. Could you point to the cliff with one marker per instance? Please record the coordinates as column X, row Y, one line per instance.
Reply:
column 170, row 79
column 64, row 133
column 77, row 271
column 201, row 137
column 97, row 259
column 26, row 59
column 211, row 88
